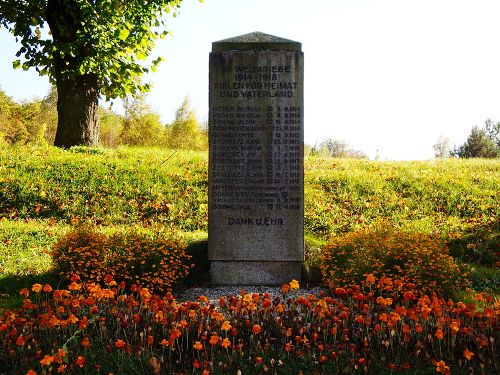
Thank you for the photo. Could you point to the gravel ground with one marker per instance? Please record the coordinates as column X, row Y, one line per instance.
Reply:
column 214, row 293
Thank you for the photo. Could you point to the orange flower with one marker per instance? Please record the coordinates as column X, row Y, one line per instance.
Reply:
column 280, row 308
column 226, row 343
column 61, row 368
column 339, row 291
column 175, row 334
column 468, row 354
column 370, row 279
column 203, row 298
column 455, row 326
column 406, row 328
column 441, row 367
column 294, row 284
column 74, row 286
column 419, row 328
column 85, row 342
column 258, row 360
column 205, row 372
column 80, row 361
column 47, row 360
column 20, row 340
column 439, row 334
column 47, row 288
column 24, row 292
column 36, row 288
column 256, row 329
column 288, row 347
column 84, row 323
column 164, row 342
column 32, row 372
column 226, row 326
column 197, row 345
column 120, row 344
column 108, row 279
column 285, row 288
column 214, row 340
column 151, row 340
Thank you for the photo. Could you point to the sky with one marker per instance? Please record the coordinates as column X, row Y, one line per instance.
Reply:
column 389, row 77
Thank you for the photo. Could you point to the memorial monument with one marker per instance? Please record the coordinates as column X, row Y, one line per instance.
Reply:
column 256, row 164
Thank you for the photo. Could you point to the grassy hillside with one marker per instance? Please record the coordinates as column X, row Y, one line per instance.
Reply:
column 45, row 191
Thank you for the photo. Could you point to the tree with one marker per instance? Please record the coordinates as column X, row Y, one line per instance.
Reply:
column 94, row 49
column 186, row 131
column 141, row 125
column 13, row 129
column 481, row 143
column 442, row 148
column 48, row 114
column 340, row 149
column 493, row 130
column 111, row 127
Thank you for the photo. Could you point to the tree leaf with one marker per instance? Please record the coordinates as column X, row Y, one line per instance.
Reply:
column 124, row 33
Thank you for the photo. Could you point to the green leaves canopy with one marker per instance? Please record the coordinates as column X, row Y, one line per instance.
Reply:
column 110, row 38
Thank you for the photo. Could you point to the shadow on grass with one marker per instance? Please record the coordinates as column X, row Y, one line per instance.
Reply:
column 199, row 275
column 10, row 285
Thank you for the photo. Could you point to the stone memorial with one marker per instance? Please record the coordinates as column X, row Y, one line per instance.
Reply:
column 256, row 164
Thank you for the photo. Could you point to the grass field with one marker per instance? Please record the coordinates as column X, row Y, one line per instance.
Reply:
column 45, row 193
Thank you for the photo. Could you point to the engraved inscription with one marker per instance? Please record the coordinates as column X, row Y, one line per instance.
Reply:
column 256, row 149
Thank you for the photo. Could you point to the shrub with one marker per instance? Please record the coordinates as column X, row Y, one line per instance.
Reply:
column 383, row 251
column 153, row 262
column 150, row 261
column 81, row 252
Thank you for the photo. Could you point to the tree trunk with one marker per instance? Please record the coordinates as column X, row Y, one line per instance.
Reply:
column 77, row 94
column 77, row 108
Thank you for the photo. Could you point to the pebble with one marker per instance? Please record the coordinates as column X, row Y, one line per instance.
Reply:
column 214, row 293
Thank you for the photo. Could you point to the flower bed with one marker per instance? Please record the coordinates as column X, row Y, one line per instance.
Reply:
column 380, row 326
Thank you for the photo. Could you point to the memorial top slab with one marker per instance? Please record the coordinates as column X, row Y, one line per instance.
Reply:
column 256, row 41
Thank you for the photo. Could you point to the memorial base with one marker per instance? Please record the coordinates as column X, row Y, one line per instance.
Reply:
column 253, row 273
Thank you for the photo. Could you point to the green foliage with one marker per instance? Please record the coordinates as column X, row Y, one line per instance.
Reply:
column 185, row 132
column 12, row 128
column 141, row 125
column 131, row 256
column 47, row 118
column 32, row 122
column 111, row 127
column 482, row 142
column 338, row 149
column 383, row 251
column 111, row 39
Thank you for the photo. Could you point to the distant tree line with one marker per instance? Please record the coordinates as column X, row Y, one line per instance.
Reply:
column 482, row 142
column 35, row 122
column 335, row 148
